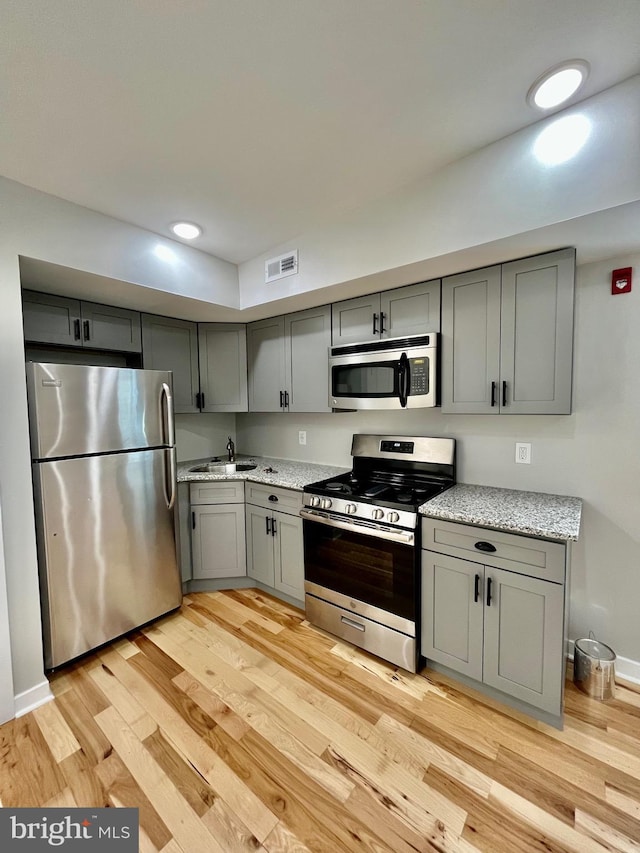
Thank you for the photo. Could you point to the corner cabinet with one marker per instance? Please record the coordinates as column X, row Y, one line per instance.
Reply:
column 288, row 362
column 50, row 319
column 275, row 553
column 169, row 344
column 507, row 337
column 493, row 610
column 398, row 313
column 208, row 360
column 218, row 530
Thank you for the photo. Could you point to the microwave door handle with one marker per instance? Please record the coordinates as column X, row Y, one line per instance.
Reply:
column 403, row 380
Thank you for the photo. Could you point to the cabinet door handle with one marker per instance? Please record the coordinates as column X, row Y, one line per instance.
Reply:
column 476, row 588
column 274, row 529
column 282, row 399
column 273, row 499
column 375, row 323
column 485, row 546
column 493, row 393
column 198, row 406
column 87, row 330
column 267, row 520
column 202, row 399
column 504, row 393
column 76, row 330
column 489, row 582
column 286, row 399
column 382, row 316
column 193, row 521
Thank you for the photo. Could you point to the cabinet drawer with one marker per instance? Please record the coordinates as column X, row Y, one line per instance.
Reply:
column 221, row 492
column 270, row 497
column 523, row 554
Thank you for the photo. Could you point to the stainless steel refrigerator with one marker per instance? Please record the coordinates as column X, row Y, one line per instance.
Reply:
column 103, row 450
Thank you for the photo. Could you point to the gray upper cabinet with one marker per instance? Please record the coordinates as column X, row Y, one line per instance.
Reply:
column 307, row 338
column 58, row 320
column 169, row 344
column 288, row 362
column 507, row 337
column 411, row 310
column 223, row 367
column 265, row 350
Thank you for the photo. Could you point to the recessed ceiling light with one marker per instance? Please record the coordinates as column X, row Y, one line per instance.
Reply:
column 186, row 230
column 558, row 84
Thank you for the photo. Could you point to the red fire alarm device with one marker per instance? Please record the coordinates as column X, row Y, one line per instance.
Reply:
column 621, row 281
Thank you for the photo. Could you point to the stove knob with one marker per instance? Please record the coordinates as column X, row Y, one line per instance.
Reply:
column 326, row 503
column 378, row 514
column 393, row 517
column 350, row 509
column 314, row 501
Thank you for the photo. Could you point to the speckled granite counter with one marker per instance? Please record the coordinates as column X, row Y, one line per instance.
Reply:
column 531, row 513
column 284, row 472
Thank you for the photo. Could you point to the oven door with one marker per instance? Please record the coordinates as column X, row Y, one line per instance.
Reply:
column 396, row 379
column 373, row 565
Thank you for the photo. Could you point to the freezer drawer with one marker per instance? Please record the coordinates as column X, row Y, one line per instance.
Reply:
column 77, row 410
column 106, row 548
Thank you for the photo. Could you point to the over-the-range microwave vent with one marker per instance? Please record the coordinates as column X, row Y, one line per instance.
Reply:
column 281, row 266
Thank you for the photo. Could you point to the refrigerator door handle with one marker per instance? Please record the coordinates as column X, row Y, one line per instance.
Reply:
column 170, row 477
column 166, row 404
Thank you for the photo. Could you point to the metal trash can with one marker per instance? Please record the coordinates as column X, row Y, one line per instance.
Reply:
column 594, row 668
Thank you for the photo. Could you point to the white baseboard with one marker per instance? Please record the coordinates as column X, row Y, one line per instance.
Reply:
column 627, row 669
column 31, row 699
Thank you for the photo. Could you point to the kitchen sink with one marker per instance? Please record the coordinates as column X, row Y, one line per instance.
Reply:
column 222, row 467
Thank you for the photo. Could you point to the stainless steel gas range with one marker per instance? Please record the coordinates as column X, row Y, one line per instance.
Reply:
column 362, row 542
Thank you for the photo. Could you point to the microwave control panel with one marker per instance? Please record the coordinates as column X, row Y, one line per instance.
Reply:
column 419, row 376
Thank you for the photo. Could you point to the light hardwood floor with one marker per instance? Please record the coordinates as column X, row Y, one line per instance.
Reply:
column 233, row 725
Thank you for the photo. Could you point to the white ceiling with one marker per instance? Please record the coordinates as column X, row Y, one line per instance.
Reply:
column 259, row 119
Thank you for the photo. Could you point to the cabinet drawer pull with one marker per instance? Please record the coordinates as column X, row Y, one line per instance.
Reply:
column 273, row 499
column 351, row 624
column 485, row 546
column 489, row 582
column 476, row 588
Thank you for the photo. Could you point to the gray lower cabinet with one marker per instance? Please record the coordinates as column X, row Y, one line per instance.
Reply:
column 275, row 555
column 404, row 311
column 50, row 319
column 507, row 337
column 288, row 362
column 501, row 627
column 218, row 547
column 169, row 344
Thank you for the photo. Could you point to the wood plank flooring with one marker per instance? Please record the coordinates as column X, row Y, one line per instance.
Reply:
column 233, row 725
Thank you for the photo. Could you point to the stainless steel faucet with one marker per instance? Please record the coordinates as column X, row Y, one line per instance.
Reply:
column 231, row 450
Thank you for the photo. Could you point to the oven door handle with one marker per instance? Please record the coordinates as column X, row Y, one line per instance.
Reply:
column 406, row 537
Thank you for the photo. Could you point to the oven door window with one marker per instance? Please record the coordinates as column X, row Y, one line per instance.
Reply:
column 373, row 379
column 375, row 571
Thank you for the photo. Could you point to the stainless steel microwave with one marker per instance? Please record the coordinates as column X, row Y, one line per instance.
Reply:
column 398, row 373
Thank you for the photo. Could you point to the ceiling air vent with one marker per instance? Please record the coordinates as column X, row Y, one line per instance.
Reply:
column 281, row 266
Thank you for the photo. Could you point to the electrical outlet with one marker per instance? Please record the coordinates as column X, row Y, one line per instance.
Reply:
column 523, row 453
column 302, row 436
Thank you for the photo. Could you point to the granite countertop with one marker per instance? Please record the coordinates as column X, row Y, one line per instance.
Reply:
column 287, row 473
column 531, row 513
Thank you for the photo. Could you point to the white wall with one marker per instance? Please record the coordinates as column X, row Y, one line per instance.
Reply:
column 499, row 191
column 593, row 453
